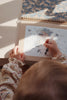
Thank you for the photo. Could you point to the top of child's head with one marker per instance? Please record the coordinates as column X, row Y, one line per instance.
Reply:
column 45, row 80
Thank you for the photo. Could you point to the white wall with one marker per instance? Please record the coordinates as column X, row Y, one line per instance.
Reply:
column 9, row 12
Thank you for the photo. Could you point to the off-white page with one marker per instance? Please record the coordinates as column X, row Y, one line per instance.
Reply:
column 35, row 37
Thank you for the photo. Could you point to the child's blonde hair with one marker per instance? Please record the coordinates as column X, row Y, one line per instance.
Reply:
column 45, row 80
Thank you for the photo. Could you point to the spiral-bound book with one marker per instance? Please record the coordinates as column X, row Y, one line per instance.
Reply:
column 54, row 10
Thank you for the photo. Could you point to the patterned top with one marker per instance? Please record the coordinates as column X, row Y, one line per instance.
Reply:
column 11, row 73
column 55, row 10
column 62, row 59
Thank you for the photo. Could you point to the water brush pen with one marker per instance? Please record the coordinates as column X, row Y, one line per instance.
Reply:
column 47, row 48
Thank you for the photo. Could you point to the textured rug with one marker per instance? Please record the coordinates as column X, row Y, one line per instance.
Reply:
column 55, row 10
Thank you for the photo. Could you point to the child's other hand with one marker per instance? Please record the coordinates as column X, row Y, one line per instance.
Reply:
column 15, row 53
column 52, row 47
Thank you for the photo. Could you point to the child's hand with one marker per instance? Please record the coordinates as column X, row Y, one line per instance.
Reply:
column 15, row 53
column 52, row 48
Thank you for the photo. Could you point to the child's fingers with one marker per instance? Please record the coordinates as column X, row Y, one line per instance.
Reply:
column 11, row 53
column 47, row 41
column 22, row 56
column 48, row 45
column 16, row 48
column 17, row 54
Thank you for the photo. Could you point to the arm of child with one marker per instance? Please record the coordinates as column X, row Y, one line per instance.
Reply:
column 11, row 74
column 54, row 51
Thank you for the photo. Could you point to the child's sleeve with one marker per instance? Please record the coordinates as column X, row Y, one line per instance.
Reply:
column 11, row 73
column 62, row 58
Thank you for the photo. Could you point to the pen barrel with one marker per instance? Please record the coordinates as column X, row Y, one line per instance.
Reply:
column 46, row 51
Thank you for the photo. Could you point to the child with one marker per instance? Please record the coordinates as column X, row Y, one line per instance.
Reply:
column 45, row 80
column 12, row 72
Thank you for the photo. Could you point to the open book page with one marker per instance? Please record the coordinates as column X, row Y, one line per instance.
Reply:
column 35, row 37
